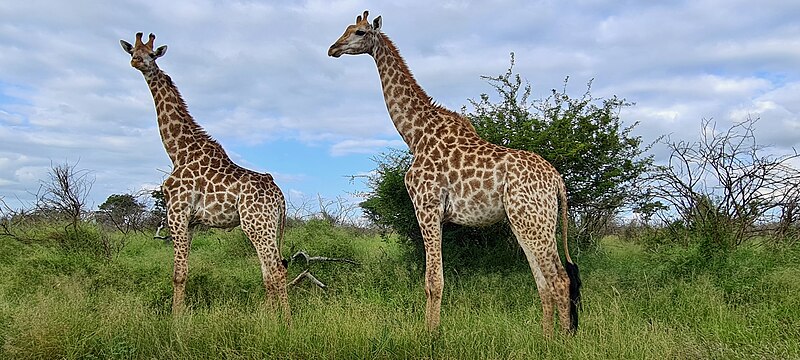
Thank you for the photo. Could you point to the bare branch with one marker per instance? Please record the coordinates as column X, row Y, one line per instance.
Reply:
column 307, row 275
column 725, row 174
column 320, row 258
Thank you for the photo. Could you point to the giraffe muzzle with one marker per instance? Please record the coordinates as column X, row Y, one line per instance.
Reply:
column 335, row 51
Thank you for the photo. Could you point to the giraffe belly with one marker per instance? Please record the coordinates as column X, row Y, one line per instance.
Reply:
column 476, row 210
column 218, row 210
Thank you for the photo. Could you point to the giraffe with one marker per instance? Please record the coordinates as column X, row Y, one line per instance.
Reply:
column 456, row 176
column 206, row 187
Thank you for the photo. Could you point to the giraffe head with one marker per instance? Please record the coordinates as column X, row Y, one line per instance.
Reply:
column 143, row 57
column 359, row 38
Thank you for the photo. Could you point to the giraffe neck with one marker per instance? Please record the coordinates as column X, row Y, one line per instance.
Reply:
column 410, row 107
column 184, row 139
column 405, row 99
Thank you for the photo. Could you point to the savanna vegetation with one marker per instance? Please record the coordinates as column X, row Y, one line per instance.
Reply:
column 639, row 302
column 695, row 259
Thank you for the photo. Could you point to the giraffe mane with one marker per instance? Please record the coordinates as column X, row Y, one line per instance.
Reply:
column 197, row 130
column 418, row 89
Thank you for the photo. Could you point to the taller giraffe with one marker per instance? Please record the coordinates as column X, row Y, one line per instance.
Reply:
column 206, row 187
column 457, row 176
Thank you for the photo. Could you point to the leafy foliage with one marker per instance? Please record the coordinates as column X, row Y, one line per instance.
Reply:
column 124, row 212
column 160, row 204
column 582, row 137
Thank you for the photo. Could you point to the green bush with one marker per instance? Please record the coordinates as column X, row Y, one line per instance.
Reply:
column 81, row 238
column 318, row 237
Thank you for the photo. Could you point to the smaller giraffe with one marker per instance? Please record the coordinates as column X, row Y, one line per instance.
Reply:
column 206, row 187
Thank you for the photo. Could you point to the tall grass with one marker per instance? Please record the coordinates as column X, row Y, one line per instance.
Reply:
column 637, row 304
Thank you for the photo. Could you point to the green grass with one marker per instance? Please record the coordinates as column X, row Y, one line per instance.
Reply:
column 637, row 304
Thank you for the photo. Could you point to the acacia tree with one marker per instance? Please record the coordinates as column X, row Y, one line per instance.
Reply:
column 583, row 137
column 65, row 193
column 124, row 211
column 722, row 185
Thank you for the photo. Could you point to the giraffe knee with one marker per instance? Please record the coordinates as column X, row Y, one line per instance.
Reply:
column 434, row 288
column 179, row 277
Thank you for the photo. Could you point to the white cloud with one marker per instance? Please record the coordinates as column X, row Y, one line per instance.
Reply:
column 347, row 147
column 255, row 73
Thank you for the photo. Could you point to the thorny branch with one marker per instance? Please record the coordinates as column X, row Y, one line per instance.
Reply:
column 725, row 173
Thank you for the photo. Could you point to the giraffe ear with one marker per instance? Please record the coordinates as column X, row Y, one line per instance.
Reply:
column 377, row 22
column 160, row 51
column 126, row 46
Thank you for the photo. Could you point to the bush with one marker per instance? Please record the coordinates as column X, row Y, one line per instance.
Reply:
column 82, row 238
column 583, row 137
column 724, row 187
column 318, row 237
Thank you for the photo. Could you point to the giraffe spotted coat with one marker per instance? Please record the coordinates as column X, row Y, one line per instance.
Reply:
column 458, row 177
column 206, row 187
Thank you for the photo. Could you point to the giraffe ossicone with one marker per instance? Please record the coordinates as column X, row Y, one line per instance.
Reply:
column 459, row 177
column 206, row 187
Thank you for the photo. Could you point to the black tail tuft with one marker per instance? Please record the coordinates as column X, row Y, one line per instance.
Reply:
column 574, row 294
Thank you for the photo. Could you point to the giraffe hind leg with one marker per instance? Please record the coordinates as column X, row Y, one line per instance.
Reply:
column 273, row 270
column 537, row 239
column 543, row 286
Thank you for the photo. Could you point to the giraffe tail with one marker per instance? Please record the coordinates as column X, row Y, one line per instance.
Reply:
column 572, row 269
column 281, row 231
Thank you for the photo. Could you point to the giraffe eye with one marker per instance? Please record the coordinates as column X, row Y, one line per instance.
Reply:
column 360, row 32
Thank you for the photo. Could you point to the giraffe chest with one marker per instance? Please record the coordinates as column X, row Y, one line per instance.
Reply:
column 208, row 199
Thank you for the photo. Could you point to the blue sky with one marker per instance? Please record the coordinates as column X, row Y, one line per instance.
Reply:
column 256, row 75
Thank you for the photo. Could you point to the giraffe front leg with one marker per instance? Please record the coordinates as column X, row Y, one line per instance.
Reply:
column 180, row 270
column 427, row 197
column 434, row 274
column 434, row 286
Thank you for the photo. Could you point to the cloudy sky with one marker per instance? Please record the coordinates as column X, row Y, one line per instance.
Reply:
column 256, row 75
